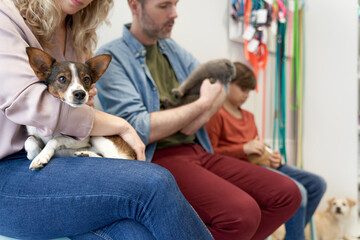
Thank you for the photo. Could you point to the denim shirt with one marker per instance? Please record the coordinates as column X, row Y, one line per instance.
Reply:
column 127, row 89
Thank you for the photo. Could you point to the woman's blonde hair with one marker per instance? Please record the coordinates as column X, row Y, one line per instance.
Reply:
column 44, row 15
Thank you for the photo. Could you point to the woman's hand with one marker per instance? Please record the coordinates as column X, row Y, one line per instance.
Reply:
column 92, row 94
column 275, row 160
column 130, row 136
column 254, row 147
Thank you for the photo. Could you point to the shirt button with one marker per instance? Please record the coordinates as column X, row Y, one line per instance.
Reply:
column 142, row 65
column 137, row 54
column 154, row 88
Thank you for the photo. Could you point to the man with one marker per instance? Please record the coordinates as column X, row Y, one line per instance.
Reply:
column 232, row 197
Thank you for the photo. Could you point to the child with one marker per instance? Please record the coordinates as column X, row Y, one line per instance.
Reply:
column 232, row 131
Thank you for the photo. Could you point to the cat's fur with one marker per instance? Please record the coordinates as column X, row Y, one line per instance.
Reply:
column 189, row 90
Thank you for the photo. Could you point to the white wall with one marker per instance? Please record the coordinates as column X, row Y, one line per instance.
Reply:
column 330, row 94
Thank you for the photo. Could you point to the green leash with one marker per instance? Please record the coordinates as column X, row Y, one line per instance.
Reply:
column 295, row 66
column 280, row 91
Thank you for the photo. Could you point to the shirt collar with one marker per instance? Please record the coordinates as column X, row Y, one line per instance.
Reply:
column 134, row 45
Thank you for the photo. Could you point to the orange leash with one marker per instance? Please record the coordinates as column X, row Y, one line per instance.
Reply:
column 259, row 61
column 247, row 15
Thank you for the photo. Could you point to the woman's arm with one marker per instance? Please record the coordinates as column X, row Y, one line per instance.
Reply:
column 106, row 125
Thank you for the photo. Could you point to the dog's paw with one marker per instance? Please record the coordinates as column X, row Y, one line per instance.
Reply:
column 36, row 165
column 32, row 154
column 177, row 93
column 86, row 154
column 39, row 161
column 32, row 147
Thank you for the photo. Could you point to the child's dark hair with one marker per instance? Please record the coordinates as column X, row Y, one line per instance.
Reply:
column 245, row 77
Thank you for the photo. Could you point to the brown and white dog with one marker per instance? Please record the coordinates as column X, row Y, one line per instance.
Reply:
column 70, row 82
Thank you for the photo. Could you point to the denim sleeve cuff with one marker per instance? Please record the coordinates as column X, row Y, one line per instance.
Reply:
column 142, row 126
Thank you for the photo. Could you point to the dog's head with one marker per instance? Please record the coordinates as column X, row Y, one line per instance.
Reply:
column 340, row 207
column 68, row 81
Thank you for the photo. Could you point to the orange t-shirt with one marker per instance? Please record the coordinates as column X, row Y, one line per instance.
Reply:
column 228, row 134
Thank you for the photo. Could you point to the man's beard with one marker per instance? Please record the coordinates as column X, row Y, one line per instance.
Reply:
column 151, row 30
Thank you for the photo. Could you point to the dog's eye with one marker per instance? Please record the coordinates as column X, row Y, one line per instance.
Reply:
column 62, row 79
column 87, row 80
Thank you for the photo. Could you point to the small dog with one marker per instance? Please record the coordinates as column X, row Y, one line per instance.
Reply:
column 70, row 82
column 261, row 159
column 331, row 223
column 189, row 90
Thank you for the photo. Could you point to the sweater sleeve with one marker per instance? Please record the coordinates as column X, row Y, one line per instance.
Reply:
column 215, row 129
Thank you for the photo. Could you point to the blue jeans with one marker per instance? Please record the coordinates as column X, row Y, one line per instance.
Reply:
column 93, row 198
column 312, row 188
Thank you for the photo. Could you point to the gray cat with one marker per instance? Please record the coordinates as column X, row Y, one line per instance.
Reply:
column 189, row 90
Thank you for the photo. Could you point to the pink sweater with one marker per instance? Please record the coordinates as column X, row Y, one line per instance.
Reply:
column 24, row 100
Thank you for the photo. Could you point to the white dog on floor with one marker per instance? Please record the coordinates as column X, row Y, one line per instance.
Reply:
column 330, row 224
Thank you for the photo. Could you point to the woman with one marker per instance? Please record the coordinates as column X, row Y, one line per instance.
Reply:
column 83, row 198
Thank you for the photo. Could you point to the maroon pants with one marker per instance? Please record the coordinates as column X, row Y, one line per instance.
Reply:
column 235, row 199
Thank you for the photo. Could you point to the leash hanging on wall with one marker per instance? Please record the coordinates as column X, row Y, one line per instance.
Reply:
column 274, row 26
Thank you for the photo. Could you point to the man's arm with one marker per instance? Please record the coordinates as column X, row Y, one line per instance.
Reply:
column 167, row 122
column 203, row 118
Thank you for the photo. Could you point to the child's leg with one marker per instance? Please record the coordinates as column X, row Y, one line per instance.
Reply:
column 314, row 184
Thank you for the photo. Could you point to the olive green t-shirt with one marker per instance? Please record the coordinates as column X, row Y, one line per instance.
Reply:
column 165, row 79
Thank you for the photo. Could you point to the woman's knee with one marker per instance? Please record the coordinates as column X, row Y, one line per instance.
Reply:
column 157, row 180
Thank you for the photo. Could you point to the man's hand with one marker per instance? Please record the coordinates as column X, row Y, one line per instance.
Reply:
column 213, row 96
column 275, row 160
column 92, row 94
column 254, row 147
column 209, row 92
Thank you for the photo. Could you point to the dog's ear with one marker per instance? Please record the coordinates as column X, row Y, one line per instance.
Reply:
column 351, row 202
column 98, row 65
column 330, row 201
column 40, row 62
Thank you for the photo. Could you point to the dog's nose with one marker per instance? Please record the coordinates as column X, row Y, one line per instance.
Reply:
column 338, row 210
column 79, row 95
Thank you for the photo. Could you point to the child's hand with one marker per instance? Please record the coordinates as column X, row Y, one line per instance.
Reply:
column 275, row 160
column 254, row 147
column 92, row 94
